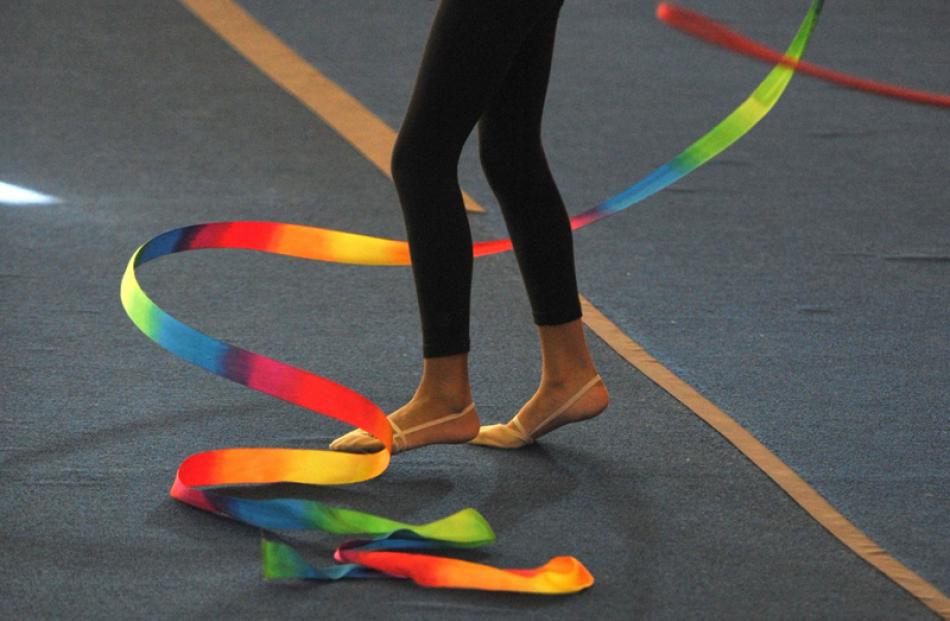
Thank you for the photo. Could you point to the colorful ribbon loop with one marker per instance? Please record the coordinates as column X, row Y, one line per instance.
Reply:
column 395, row 549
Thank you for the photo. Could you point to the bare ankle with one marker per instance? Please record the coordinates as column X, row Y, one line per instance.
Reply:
column 449, row 398
column 445, row 380
column 565, row 358
column 566, row 377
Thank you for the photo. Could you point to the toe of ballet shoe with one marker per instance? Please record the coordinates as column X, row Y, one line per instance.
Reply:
column 497, row 436
column 356, row 441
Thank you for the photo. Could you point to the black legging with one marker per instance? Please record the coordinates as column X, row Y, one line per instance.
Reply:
column 486, row 61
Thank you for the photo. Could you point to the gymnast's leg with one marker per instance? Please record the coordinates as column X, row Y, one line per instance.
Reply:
column 513, row 159
column 471, row 45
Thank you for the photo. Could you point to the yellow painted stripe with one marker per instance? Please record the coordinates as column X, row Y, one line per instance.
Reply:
column 786, row 478
column 374, row 139
column 369, row 134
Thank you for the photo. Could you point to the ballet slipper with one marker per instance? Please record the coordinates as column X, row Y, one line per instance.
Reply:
column 513, row 435
column 359, row 441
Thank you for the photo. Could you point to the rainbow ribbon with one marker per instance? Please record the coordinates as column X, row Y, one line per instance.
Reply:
column 394, row 549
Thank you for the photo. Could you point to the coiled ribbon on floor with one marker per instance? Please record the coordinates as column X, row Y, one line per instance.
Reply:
column 393, row 548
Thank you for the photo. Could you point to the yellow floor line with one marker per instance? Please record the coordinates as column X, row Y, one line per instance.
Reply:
column 786, row 478
column 344, row 113
column 374, row 139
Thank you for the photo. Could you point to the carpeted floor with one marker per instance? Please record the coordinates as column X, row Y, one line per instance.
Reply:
column 799, row 282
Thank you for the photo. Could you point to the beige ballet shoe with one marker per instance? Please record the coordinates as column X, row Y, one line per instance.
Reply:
column 513, row 435
column 358, row 441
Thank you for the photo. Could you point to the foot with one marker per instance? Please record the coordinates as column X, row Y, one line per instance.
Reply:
column 422, row 421
column 552, row 406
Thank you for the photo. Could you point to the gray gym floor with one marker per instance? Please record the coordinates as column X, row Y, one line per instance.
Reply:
column 799, row 281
